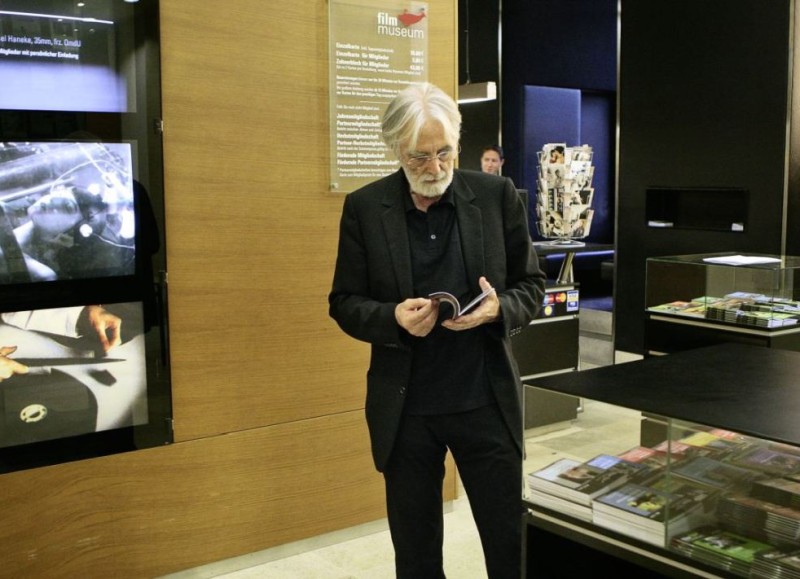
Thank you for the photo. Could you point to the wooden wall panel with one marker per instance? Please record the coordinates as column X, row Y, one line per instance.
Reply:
column 156, row 511
column 271, row 444
column 251, row 226
column 251, row 229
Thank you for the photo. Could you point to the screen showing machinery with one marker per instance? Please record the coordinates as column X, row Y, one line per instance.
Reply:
column 66, row 211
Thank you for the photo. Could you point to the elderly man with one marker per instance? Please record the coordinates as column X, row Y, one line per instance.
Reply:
column 436, row 382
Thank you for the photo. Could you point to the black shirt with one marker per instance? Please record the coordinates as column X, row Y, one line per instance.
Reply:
column 447, row 373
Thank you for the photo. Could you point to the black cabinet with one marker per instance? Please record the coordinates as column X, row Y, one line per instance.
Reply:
column 550, row 345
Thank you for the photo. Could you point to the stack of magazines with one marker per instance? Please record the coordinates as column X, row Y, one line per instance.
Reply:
column 728, row 500
column 742, row 308
column 565, row 192
column 569, row 485
column 655, row 509
column 720, row 548
column 781, row 491
column 760, row 519
column 776, row 563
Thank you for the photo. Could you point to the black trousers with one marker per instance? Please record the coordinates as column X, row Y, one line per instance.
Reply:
column 490, row 467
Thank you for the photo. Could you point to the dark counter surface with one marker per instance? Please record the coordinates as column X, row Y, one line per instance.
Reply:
column 752, row 390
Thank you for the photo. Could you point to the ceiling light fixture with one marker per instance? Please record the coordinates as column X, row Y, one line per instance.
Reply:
column 470, row 92
column 474, row 92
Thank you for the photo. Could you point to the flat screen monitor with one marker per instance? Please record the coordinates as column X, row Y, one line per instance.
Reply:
column 72, row 386
column 81, row 228
column 66, row 211
column 58, row 55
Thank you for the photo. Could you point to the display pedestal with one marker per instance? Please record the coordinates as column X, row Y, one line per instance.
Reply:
column 550, row 345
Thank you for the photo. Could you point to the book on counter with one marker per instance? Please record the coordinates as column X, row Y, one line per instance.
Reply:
column 741, row 259
column 674, row 448
column 656, row 508
column 716, row 473
column 649, row 456
column 783, row 491
column 680, row 307
column 715, row 444
column 778, row 563
column 560, row 505
column 768, row 460
column 580, row 482
column 760, row 519
column 720, row 548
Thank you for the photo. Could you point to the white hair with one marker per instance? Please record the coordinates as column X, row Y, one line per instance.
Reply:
column 411, row 109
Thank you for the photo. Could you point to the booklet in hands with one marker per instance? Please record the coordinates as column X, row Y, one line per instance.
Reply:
column 453, row 301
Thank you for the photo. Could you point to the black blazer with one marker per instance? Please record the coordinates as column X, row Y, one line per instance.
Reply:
column 373, row 274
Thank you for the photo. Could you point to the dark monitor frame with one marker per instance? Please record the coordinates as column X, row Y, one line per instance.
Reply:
column 137, row 41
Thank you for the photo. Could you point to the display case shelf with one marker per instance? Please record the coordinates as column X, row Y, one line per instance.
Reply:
column 703, row 299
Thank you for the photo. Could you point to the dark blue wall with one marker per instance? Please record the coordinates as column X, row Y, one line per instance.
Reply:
column 571, row 116
column 563, row 44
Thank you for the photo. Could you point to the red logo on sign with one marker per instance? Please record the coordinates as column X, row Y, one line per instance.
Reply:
column 408, row 19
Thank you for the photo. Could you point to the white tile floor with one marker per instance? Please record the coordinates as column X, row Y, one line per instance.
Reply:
column 365, row 552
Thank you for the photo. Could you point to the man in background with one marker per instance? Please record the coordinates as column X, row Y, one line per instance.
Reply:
column 492, row 159
column 438, row 383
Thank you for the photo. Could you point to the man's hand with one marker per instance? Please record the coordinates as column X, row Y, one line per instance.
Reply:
column 9, row 367
column 106, row 325
column 417, row 316
column 488, row 311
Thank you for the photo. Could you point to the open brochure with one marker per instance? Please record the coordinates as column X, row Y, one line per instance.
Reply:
column 741, row 259
column 453, row 301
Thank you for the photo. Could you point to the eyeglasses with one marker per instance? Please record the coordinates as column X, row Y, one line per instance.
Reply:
column 419, row 161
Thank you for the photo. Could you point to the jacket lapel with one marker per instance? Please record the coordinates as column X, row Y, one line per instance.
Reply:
column 470, row 226
column 394, row 226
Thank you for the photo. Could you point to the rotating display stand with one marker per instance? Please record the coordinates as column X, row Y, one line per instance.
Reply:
column 564, row 199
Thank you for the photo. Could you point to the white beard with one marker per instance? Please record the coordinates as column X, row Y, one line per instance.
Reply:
column 427, row 185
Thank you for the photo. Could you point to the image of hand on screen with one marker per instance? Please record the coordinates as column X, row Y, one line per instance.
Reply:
column 8, row 367
column 93, row 322
column 81, row 366
column 105, row 325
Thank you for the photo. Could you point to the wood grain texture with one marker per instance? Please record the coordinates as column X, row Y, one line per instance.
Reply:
column 251, row 227
column 160, row 510
column 271, row 444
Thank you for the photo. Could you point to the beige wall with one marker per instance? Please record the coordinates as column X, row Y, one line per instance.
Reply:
column 270, row 441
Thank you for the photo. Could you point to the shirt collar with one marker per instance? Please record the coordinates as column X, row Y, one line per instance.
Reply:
column 448, row 198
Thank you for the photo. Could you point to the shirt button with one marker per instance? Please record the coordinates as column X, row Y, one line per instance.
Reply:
column 433, row 236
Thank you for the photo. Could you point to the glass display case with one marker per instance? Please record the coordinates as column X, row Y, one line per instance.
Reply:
column 716, row 494
column 695, row 300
